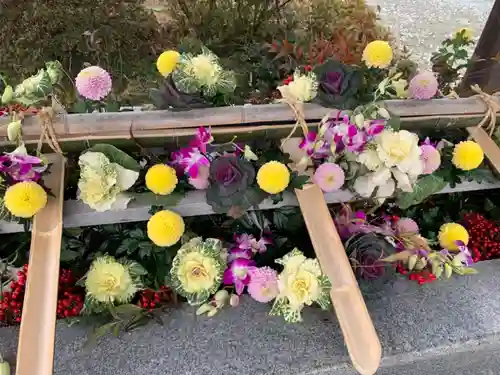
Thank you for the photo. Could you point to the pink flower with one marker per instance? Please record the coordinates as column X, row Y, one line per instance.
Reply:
column 249, row 242
column 375, row 127
column 406, row 225
column 308, row 142
column 430, row 157
column 329, row 177
column 20, row 166
column 263, row 286
column 203, row 137
column 237, row 252
column 200, row 182
column 191, row 160
column 93, row 83
column 423, row 86
column 238, row 274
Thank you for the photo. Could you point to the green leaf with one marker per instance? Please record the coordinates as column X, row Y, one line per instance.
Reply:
column 137, row 270
column 298, row 181
column 80, row 106
column 117, row 156
column 127, row 309
column 68, row 255
column 394, row 122
column 425, row 187
column 469, row 271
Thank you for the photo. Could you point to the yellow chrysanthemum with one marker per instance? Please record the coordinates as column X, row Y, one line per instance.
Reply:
column 25, row 199
column 165, row 228
column 467, row 155
column 167, row 62
column 273, row 177
column 377, row 54
column 109, row 281
column 467, row 33
column 161, row 179
column 450, row 233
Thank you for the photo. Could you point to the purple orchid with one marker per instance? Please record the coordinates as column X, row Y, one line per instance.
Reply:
column 464, row 253
column 191, row 159
column 308, row 142
column 237, row 252
column 427, row 142
column 356, row 143
column 22, row 167
column 249, row 242
column 202, row 138
column 238, row 273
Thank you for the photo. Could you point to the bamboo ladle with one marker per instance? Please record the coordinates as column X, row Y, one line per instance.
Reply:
column 359, row 333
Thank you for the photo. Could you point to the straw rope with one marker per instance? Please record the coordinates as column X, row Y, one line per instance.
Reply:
column 492, row 108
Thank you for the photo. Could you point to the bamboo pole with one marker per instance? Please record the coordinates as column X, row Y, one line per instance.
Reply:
column 35, row 353
column 490, row 148
column 359, row 333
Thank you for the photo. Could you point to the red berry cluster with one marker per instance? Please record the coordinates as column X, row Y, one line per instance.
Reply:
column 484, row 237
column 11, row 306
column 69, row 302
column 422, row 277
column 150, row 299
column 70, row 297
column 17, row 108
column 287, row 80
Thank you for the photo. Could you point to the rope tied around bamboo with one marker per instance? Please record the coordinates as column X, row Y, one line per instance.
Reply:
column 492, row 108
column 47, row 131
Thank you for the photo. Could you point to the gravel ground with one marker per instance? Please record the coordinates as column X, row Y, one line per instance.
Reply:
column 421, row 25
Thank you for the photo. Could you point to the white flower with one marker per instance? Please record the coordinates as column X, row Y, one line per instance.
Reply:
column 403, row 180
column 385, row 190
column 303, row 88
column 364, row 186
column 101, row 182
column 370, row 159
column 399, row 149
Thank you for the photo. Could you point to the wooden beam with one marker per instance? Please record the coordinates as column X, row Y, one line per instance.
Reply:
column 485, row 71
column 35, row 353
column 78, row 214
column 490, row 148
column 414, row 114
column 360, row 336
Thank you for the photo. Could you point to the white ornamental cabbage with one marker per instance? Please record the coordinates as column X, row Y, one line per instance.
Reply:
column 102, row 183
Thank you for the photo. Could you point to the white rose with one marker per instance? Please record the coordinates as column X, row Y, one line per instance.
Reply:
column 364, row 186
column 385, row 190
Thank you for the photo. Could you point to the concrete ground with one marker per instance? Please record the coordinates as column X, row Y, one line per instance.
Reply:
column 423, row 24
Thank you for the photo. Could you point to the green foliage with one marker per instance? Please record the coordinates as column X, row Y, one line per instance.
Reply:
column 121, row 36
column 450, row 59
column 423, row 188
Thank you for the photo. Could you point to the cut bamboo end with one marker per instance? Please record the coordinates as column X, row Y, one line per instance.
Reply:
column 357, row 327
column 490, row 148
column 35, row 353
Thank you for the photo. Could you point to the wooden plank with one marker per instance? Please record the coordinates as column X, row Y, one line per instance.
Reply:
column 439, row 112
column 360, row 336
column 489, row 146
column 78, row 214
column 35, row 353
column 485, row 71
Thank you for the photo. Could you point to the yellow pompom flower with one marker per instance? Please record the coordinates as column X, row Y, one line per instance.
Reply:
column 377, row 54
column 109, row 281
column 450, row 233
column 273, row 177
column 467, row 155
column 165, row 228
column 25, row 199
column 167, row 62
column 161, row 179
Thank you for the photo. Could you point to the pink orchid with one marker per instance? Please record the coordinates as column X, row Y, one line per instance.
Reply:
column 238, row 274
column 22, row 167
column 249, row 242
column 375, row 127
column 238, row 252
column 191, row 160
column 203, row 137
column 308, row 142
column 356, row 143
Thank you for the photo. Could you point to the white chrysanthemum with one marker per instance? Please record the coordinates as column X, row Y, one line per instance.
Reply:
column 101, row 182
column 399, row 149
column 109, row 281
